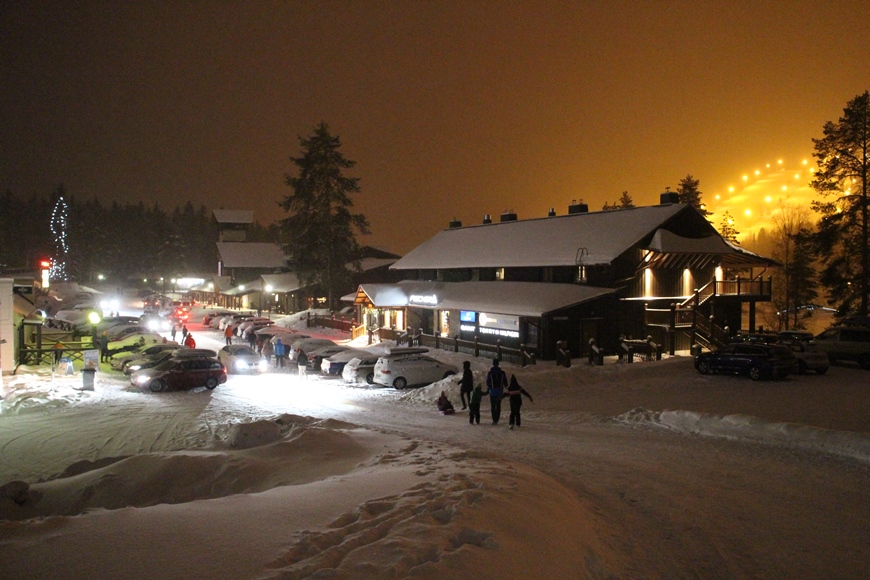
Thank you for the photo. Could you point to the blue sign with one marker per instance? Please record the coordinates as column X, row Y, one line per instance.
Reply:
column 467, row 316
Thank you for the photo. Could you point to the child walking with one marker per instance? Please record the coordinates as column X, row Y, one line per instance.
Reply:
column 474, row 405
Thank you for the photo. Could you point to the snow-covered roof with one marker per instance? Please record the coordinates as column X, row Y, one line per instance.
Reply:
column 234, row 216
column 221, row 283
column 251, row 255
column 281, row 283
column 549, row 241
column 371, row 263
column 516, row 298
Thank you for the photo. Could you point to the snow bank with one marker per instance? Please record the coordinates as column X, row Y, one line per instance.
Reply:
column 748, row 428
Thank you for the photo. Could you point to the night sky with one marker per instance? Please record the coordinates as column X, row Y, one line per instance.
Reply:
column 450, row 109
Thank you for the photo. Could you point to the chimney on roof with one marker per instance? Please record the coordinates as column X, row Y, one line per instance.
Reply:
column 577, row 207
column 508, row 216
column 454, row 223
column 552, row 212
column 669, row 197
column 487, row 219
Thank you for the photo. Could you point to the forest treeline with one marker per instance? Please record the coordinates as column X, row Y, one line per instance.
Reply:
column 119, row 241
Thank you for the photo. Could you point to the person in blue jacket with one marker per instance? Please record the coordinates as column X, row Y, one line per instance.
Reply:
column 496, row 382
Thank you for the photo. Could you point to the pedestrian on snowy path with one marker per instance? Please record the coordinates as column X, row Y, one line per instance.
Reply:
column 474, row 404
column 228, row 334
column 466, row 385
column 515, row 394
column 496, row 381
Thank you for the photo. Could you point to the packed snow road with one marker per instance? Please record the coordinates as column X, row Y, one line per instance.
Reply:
column 683, row 504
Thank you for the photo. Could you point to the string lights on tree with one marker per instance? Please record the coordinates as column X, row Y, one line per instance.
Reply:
column 59, row 217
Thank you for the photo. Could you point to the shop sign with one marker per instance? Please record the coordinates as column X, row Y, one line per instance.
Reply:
column 499, row 325
column 467, row 316
column 428, row 299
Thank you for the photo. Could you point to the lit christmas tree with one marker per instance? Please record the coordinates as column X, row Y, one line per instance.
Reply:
column 59, row 217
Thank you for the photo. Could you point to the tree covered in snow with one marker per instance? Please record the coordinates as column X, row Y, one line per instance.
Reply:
column 843, row 239
column 319, row 235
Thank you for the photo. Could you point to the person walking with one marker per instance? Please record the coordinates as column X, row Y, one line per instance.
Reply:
column 228, row 334
column 189, row 342
column 267, row 351
column 496, row 381
column 173, row 331
column 184, row 333
column 474, row 404
column 104, row 346
column 466, row 385
column 279, row 354
column 515, row 398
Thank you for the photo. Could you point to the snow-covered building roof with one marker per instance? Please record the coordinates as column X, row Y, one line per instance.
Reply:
column 281, row 283
column 598, row 237
column 251, row 255
column 367, row 264
column 515, row 298
column 234, row 216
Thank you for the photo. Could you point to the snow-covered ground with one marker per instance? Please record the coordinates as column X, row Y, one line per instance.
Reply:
column 640, row 470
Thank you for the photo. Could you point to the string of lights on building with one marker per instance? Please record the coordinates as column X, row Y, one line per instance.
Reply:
column 59, row 217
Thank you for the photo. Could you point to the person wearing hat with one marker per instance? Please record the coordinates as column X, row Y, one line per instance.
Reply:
column 496, row 382
column 466, row 385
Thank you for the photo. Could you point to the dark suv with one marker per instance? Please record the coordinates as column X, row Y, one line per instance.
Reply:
column 181, row 373
column 753, row 359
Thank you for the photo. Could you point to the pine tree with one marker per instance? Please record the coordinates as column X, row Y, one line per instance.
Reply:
column 727, row 229
column 623, row 202
column 319, row 234
column 843, row 238
column 690, row 194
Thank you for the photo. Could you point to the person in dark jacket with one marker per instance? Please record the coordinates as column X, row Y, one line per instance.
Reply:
column 466, row 385
column 496, row 381
column 474, row 404
column 104, row 346
column 515, row 394
column 444, row 404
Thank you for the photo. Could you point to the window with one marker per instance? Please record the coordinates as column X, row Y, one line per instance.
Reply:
column 581, row 274
column 499, row 273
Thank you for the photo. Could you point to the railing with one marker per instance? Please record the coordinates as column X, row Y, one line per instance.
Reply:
column 357, row 331
column 674, row 317
column 522, row 356
column 744, row 287
column 340, row 323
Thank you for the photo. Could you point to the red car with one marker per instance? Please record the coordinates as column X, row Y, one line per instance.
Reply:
column 182, row 373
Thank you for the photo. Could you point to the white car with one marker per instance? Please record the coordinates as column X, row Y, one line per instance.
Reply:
column 360, row 370
column 306, row 345
column 128, row 341
column 122, row 358
column 318, row 355
column 256, row 320
column 409, row 366
column 239, row 358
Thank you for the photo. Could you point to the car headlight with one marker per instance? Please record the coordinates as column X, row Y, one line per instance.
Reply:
column 264, row 364
column 240, row 365
column 142, row 379
column 134, row 368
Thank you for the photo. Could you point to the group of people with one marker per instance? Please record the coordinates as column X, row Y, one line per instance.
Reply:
column 497, row 387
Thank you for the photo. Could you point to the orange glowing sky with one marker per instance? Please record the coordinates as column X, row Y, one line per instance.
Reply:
column 450, row 109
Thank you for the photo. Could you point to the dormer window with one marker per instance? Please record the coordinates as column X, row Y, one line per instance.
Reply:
column 581, row 274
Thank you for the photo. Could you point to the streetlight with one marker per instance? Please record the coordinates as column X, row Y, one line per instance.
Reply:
column 94, row 318
column 268, row 290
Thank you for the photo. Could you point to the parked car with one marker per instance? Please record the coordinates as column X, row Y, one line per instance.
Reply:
column 754, row 359
column 809, row 357
column 239, row 358
column 792, row 335
column 206, row 320
column 846, row 343
column 149, row 362
column 133, row 340
column 122, row 359
column 181, row 352
column 181, row 373
column 316, row 356
column 402, row 367
column 334, row 364
column 155, row 323
column 361, row 369
column 306, row 345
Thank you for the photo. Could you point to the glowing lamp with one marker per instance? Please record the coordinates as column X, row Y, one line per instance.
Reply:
column 94, row 318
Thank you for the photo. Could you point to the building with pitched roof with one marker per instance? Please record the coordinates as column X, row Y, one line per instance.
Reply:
column 645, row 271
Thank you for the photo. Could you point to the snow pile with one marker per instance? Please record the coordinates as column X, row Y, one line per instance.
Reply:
column 748, row 428
column 322, row 499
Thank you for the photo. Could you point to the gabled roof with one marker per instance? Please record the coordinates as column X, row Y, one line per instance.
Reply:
column 516, row 298
column 281, row 283
column 234, row 216
column 251, row 255
column 367, row 264
column 550, row 241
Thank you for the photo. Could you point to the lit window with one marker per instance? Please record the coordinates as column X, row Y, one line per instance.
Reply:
column 581, row 274
column 499, row 273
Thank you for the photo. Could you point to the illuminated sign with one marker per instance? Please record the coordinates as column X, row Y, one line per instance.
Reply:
column 423, row 299
column 499, row 324
column 467, row 316
column 467, row 327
